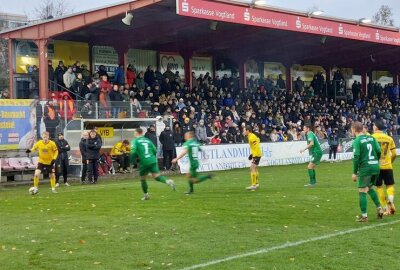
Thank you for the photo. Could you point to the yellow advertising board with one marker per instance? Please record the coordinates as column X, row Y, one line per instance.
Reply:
column 106, row 132
column 67, row 51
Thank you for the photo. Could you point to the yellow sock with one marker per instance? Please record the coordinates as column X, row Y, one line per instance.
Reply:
column 53, row 182
column 36, row 181
column 253, row 179
column 390, row 193
column 257, row 176
column 382, row 196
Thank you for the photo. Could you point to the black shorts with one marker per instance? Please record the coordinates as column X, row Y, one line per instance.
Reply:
column 385, row 176
column 256, row 160
column 44, row 168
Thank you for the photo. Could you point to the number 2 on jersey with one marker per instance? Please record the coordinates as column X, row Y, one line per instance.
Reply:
column 370, row 156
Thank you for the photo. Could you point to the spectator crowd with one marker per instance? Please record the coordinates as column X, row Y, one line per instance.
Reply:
column 217, row 109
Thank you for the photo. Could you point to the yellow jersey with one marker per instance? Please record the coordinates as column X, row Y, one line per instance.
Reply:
column 47, row 151
column 388, row 148
column 119, row 149
column 254, row 143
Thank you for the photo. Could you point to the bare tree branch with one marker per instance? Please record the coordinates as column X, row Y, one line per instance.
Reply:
column 384, row 16
column 48, row 9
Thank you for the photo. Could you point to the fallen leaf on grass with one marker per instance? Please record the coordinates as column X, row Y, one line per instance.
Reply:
column 82, row 242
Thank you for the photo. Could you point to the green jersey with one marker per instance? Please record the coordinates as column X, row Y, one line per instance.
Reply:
column 316, row 148
column 193, row 148
column 145, row 150
column 367, row 153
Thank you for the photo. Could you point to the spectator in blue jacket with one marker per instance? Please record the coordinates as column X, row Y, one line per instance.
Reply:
column 119, row 75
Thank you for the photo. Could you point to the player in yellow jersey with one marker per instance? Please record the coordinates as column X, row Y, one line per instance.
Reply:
column 255, row 156
column 388, row 156
column 48, row 153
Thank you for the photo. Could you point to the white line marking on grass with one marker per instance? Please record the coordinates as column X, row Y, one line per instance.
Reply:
column 288, row 245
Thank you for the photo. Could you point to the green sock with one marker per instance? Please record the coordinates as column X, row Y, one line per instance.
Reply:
column 144, row 186
column 190, row 186
column 161, row 179
column 310, row 174
column 374, row 196
column 363, row 202
column 202, row 178
column 314, row 176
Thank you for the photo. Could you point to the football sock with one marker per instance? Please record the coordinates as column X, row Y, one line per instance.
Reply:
column 145, row 187
column 311, row 175
column 36, row 181
column 52, row 182
column 382, row 197
column 390, row 193
column 253, row 179
column 190, row 185
column 257, row 176
column 202, row 178
column 161, row 179
column 374, row 196
column 363, row 203
column 314, row 177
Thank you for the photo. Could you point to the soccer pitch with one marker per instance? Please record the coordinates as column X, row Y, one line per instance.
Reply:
column 281, row 226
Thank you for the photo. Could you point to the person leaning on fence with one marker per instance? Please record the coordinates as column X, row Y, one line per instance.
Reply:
column 120, row 152
column 83, row 149
column 93, row 145
column 62, row 161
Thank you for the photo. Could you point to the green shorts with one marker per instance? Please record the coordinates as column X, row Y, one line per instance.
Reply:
column 148, row 168
column 367, row 180
column 193, row 170
column 316, row 158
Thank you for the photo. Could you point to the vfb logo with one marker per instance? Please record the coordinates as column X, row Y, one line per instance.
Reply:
column 185, row 6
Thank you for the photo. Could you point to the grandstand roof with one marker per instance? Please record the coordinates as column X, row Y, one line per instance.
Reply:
column 156, row 25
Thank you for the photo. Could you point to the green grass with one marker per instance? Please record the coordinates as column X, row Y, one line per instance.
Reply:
column 107, row 226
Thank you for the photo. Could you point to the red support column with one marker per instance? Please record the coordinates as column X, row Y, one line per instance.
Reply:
column 328, row 71
column 43, row 68
column 288, row 74
column 11, row 57
column 91, row 67
column 395, row 75
column 242, row 74
column 187, row 58
column 364, row 83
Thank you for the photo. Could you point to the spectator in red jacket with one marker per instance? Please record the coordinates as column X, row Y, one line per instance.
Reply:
column 105, row 84
column 130, row 75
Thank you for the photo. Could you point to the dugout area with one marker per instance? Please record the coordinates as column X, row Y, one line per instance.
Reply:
column 110, row 130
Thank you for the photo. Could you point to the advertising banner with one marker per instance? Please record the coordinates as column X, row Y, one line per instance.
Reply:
column 17, row 123
column 26, row 54
column 219, row 11
column 202, row 65
column 234, row 156
column 106, row 56
column 174, row 62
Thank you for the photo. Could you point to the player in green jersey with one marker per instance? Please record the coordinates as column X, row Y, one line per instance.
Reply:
column 367, row 153
column 192, row 148
column 143, row 149
column 315, row 151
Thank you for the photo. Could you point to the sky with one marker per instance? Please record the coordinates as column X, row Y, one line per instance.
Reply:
column 349, row 9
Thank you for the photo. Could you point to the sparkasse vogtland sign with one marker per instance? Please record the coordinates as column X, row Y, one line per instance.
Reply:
column 219, row 11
